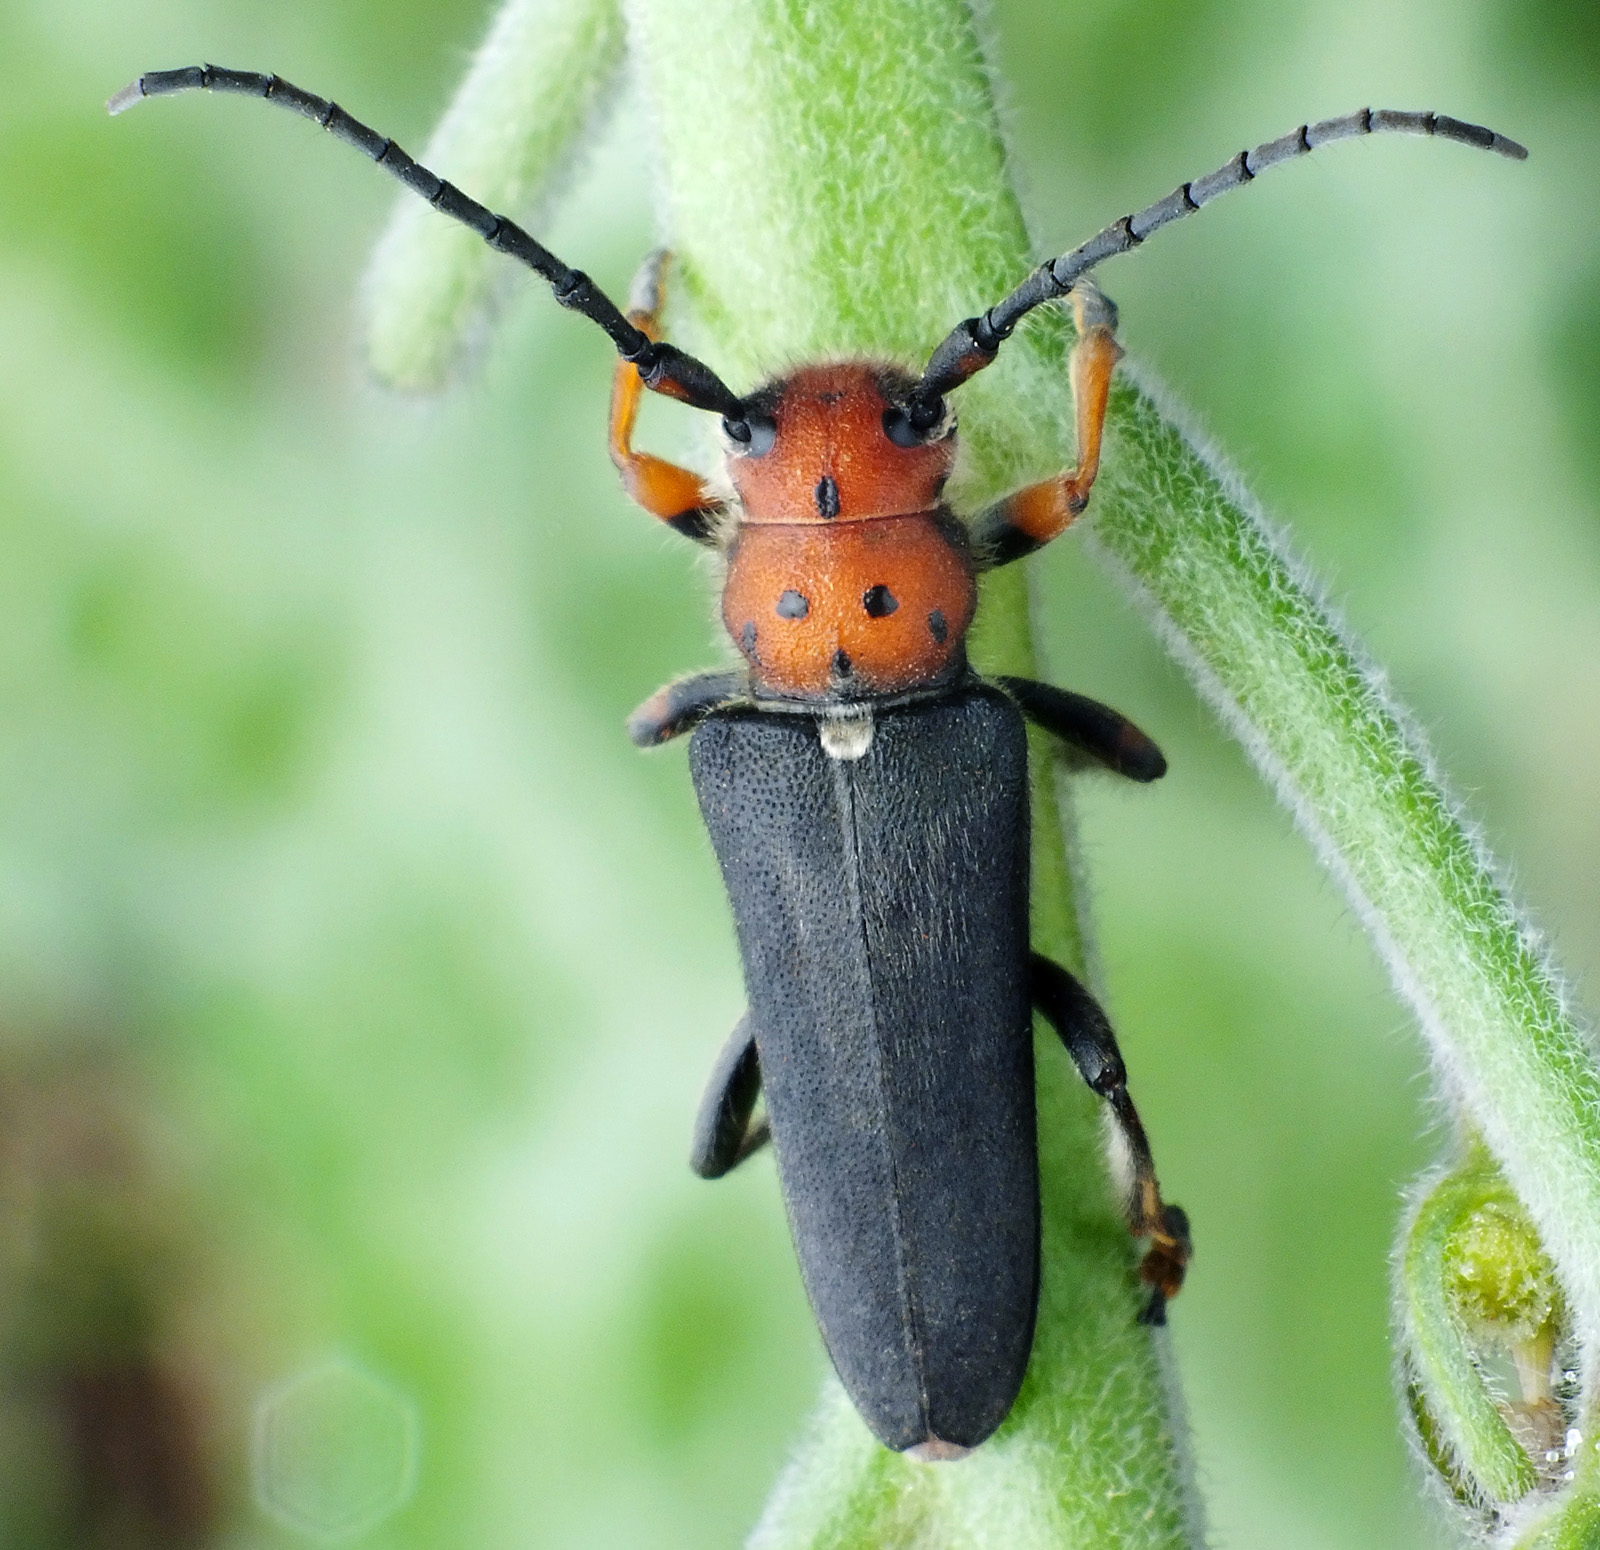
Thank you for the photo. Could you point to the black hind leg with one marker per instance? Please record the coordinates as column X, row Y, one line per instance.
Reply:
column 723, row 1134
column 1086, row 1032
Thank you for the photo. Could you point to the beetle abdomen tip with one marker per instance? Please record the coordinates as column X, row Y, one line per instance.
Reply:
column 937, row 1451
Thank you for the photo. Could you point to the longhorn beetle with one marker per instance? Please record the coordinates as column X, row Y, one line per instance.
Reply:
column 867, row 796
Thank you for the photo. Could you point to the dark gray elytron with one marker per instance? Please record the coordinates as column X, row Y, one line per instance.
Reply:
column 882, row 912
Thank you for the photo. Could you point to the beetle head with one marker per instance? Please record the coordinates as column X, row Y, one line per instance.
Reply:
column 837, row 443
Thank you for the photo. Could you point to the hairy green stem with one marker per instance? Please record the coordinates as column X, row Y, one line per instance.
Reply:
column 1319, row 722
column 1322, row 727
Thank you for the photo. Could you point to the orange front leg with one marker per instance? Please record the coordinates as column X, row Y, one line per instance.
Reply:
column 1030, row 518
column 678, row 496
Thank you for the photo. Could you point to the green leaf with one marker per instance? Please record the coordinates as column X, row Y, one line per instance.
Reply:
column 1476, row 1441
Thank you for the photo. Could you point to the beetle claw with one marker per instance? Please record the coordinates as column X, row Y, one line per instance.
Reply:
column 1165, row 1262
column 1154, row 1313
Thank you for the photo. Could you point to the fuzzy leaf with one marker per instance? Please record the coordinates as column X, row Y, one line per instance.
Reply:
column 1474, row 1434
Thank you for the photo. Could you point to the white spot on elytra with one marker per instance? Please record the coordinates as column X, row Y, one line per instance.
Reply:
column 846, row 735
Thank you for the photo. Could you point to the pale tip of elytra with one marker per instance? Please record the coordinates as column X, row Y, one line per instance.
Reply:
column 131, row 93
column 937, row 1451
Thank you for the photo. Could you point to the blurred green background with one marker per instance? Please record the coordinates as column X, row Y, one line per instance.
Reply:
column 358, row 980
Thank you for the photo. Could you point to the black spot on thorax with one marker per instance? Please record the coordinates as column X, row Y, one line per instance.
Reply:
column 826, row 495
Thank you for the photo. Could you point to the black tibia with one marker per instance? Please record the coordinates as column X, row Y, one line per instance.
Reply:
column 1083, row 1026
column 723, row 1134
column 1085, row 1030
column 972, row 344
column 1105, row 735
column 664, row 369
column 680, row 707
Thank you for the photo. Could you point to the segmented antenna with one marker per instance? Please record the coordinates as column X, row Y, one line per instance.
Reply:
column 971, row 345
column 663, row 368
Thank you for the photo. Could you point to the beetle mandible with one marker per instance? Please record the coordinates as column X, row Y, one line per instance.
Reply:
column 866, row 793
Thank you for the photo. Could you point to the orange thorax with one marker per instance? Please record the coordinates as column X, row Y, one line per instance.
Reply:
column 848, row 610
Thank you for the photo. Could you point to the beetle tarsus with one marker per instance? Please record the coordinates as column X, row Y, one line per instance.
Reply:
column 1165, row 1263
column 1083, row 1027
column 1154, row 1313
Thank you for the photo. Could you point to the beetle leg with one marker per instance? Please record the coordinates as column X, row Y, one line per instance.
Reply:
column 680, row 707
column 1095, row 729
column 723, row 1134
column 1086, row 1032
column 678, row 496
column 1029, row 518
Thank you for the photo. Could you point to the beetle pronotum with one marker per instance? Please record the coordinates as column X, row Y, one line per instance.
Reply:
column 867, row 796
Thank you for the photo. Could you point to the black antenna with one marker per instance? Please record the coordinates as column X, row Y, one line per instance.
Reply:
column 663, row 368
column 971, row 345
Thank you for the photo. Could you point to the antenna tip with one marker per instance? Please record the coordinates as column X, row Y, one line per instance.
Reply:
column 134, row 92
column 1510, row 148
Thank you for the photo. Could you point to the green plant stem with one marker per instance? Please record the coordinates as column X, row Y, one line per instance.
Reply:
column 1321, row 726
column 842, row 190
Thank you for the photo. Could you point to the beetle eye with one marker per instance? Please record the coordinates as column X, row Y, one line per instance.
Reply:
column 752, row 435
column 898, row 428
column 918, row 426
